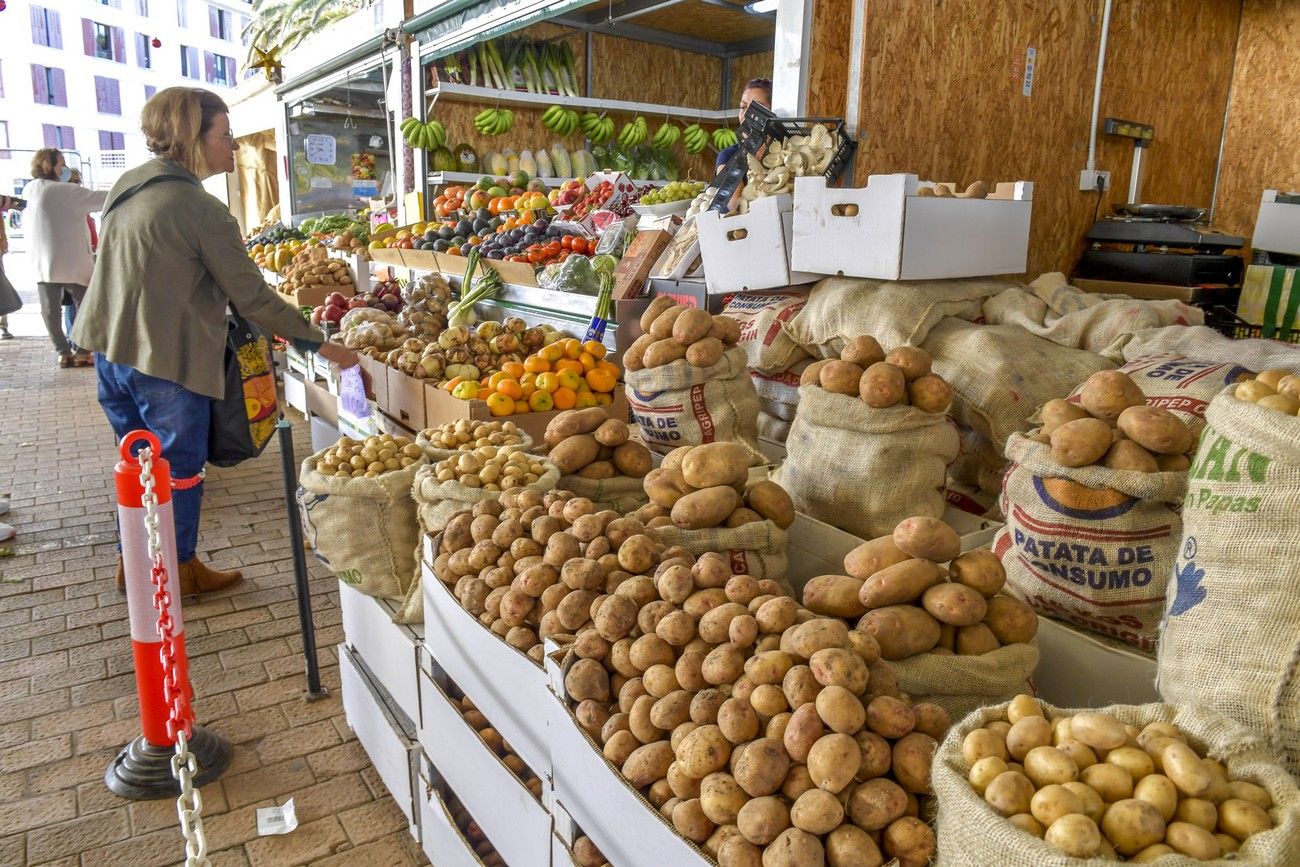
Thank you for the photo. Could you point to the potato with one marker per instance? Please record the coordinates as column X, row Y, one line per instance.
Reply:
column 812, row 373
column 911, row 841
column 1074, row 834
column 1011, row 621
column 876, row 803
column 648, row 763
column 721, row 798
column 1057, row 412
column 1111, row 782
column 661, row 352
column 1244, row 791
column 768, row 667
column 850, row 846
column 927, row 539
column 834, row 596
column 1081, row 442
column 1133, row 760
column 817, row 811
column 691, row 325
column 632, row 459
column 899, row 583
column 812, row 636
column 1185, row 769
column 634, row 357
column 979, row 569
column 677, row 628
column 761, row 820
column 1028, row 824
column 931, row 719
column 1156, row 429
column 955, row 604
column 833, row 666
column 705, row 508
column 981, row 743
column 1283, row 403
column 794, row 848
column 871, row 557
column 975, row 640
column 912, row 361
column 1159, row 792
column 714, row 464
column 662, row 325
column 1053, row 801
column 1108, row 393
column 665, row 486
column 1009, row 793
column 840, row 377
column 743, row 516
column 833, row 761
column 671, row 710
column 840, row 710
column 901, row 630
column 1193, row 841
column 689, row 820
column 762, row 767
column 863, row 351
column 1026, row 734
column 770, row 500
column 574, row 453
column 1132, row 825
column 1239, row 819
column 913, row 754
column 930, row 393
column 1128, row 455
column 882, row 385
column 587, row 679
column 1046, row 765
column 738, row 721
column 1197, row 811
column 658, row 305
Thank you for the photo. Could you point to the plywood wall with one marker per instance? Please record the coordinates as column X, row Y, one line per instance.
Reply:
column 942, row 96
column 1260, row 151
column 748, row 67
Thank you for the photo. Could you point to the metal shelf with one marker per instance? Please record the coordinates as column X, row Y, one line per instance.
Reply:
column 521, row 98
column 436, row 178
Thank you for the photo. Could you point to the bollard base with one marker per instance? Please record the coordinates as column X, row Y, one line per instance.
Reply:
column 143, row 772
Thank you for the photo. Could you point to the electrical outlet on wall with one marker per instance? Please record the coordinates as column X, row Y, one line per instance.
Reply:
column 1091, row 180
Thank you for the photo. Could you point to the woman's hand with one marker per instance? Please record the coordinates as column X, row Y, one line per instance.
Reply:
column 339, row 354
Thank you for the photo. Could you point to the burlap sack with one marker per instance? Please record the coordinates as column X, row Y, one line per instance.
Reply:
column 679, row 404
column 863, row 469
column 773, row 429
column 756, row 549
column 1002, row 374
column 895, row 313
column 622, row 494
column 436, row 454
column 783, row 411
column 364, row 529
column 1089, row 545
column 1051, row 308
column 1184, row 386
column 1231, row 635
column 971, row 834
column 978, row 459
column 780, row 387
column 760, row 314
column 961, row 684
column 1203, row 344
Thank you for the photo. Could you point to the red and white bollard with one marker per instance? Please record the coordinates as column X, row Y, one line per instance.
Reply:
column 147, row 767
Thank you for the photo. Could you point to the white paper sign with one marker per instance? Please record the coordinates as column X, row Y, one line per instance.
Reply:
column 276, row 820
column 1027, row 86
column 321, row 150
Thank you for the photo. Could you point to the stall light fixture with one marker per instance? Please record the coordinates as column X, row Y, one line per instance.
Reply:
column 762, row 7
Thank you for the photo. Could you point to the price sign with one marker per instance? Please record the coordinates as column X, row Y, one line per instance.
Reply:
column 352, row 393
column 320, row 150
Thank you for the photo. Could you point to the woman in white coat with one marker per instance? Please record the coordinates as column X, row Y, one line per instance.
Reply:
column 58, row 243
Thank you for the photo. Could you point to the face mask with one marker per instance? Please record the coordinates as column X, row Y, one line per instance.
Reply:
column 65, row 174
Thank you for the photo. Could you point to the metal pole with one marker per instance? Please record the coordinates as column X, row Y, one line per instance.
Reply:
column 284, row 428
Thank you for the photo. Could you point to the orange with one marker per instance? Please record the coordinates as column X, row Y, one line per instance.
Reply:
column 521, row 406
column 514, row 369
column 510, row 388
column 536, row 364
column 602, row 379
column 572, row 347
column 570, row 364
column 595, row 347
column 466, row 390
column 585, row 399
column 453, row 251
column 541, row 401
column 526, row 390
column 526, row 217
column 451, row 384
column 528, row 379
column 484, row 392
column 569, row 379
column 588, row 361
column 565, row 398
column 548, row 382
column 496, row 378
column 500, row 404
column 551, row 352
column 604, row 399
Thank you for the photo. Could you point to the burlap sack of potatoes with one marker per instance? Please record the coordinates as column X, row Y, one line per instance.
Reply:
column 971, row 834
column 1203, row 344
column 773, row 429
column 756, row 549
column 679, row 404
column 1090, row 545
column 436, row 503
column 961, row 684
column 363, row 529
column 622, row 494
column 435, row 454
column 1183, row 385
column 760, row 314
column 1230, row 638
column 864, row 469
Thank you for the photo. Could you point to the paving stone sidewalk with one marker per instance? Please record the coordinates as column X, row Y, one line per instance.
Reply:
column 67, row 692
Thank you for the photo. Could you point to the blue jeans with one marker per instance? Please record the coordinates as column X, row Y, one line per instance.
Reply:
column 178, row 417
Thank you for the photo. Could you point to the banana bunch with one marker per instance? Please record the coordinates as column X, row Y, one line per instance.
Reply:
column 423, row 136
column 633, row 133
column 494, row 121
column 723, row 139
column 597, row 128
column 560, row 120
column 694, row 139
column 666, row 136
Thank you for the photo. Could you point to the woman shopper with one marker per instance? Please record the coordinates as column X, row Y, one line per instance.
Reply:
column 69, row 307
column 55, row 225
column 170, row 260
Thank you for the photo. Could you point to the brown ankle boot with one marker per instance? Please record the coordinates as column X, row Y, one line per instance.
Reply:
column 198, row 578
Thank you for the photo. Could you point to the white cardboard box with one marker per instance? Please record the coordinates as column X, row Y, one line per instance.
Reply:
column 891, row 233
column 516, row 822
column 295, row 391
column 388, row 650
column 752, row 251
column 323, row 434
column 1076, row 669
column 392, row 752
column 443, row 843
column 1277, row 228
column 508, row 687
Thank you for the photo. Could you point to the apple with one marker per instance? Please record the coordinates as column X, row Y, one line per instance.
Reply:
column 335, row 298
column 316, row 314
column 333, row 313
column 356, row 302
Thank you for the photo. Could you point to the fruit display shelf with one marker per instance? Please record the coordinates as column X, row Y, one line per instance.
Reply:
column 440, row 178
column 473, row 93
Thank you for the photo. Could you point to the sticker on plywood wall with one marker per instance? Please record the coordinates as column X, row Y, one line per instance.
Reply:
column 1027, row 88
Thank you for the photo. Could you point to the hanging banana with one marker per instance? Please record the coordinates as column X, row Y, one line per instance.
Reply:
column 694, row 139
column 723, row 139
column 667, row 135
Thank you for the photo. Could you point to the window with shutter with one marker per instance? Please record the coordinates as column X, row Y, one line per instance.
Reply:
column 142, row 50
column 53, row 28
column 39, row 34
column 119, row 45
column 105, row 140
column 67, row 140
column 51, row 135
column 4, row 141
column 142, row 8
column 209, row 67
column 182, row 15
column 57, row 86
column 149, row 91
column 40, row 85
column 88, row 36
column 214, row 22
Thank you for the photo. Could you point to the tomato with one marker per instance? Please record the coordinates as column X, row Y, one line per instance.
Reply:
column 566, row 242
column 553, row 248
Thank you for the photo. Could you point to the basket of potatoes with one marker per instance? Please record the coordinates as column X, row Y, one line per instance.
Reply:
column 1093, row 500
column 358, row 514
column 1025, row 784
column 871, row 441
column 953, row 637
column 465, row 434
column 597, row 458
column 463, row 478
column 314, row 267
column 701, row 498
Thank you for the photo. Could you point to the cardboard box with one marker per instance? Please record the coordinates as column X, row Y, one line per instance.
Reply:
column 516, row 822
column 508, row 687
column 295, row 391
column 321, row 403
column 886, row 231
column 1270, row 298
column 1146, row 291
column 314, row 296
column 441, row 408
column 750, row 251
column 1079, row 669
column 300, row 362
column 323, row 434
column 1277, row 228
column 388, row 650
column 406, row 399
column 634, row 268
column 386, row 256
column 691, row 293
column 360, row 427
column 442, row 841
column 518, row 273
column 392, row 750
column 376, row 379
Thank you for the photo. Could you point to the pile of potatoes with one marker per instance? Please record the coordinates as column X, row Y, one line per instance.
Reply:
column 764, row 733
column 465, row 434
column 1113, row 427
column 705, row 486
column 591, row 444
column 912, row 604
column 313, row 267
column 671, row 332
column 491, row 468
column 372, row 456
column 585, row 853
column 497, row 744
column 478, row 841
column 1092, row 786
column 1276, row 389
column 863, row 370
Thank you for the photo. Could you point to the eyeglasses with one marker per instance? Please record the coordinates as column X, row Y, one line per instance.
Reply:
column 227, row 138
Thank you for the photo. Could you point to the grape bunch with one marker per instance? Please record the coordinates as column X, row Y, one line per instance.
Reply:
column 676, row 191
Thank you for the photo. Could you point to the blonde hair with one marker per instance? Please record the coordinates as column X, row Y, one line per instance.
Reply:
column 174, row 122
column 43, row 164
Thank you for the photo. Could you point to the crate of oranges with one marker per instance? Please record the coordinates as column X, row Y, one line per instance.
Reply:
column 566, row 374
